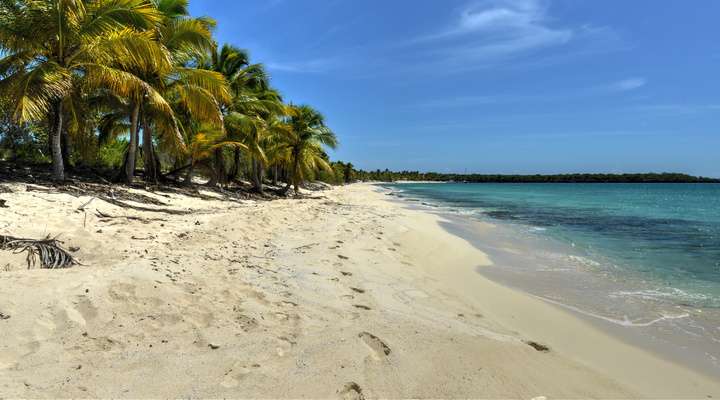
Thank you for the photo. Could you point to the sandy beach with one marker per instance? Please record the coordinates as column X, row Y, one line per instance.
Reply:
column 345, row 294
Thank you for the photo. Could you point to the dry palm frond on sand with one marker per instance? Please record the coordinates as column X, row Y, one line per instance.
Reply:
column 48, row 251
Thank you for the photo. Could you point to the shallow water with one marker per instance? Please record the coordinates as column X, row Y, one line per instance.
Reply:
column 641, row 258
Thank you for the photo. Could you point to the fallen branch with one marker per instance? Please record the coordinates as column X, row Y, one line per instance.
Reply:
column 49, row 252
column 103, row 215
column 82, row 207
column 176, row 170
column 146, row 209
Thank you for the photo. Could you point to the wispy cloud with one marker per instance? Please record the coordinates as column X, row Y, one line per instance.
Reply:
column 480, row 34
column 318, row 65
column 510, row 19
column 626, row 85
column 497, row 28
column 579, row 93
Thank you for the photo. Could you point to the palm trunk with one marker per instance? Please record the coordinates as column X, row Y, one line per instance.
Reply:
column 218, row 169
column 56, row 144
column 150, row 161
column 235, row 168
column 260, row 176
column 296, row 173
column 255, row 175
column 65, row 149
column 275, row 176
column 132, row 147
column 292, row 179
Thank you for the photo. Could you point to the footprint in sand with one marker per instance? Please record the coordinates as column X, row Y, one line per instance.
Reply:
column 351, row 391
column 378, row 348
column 236, row 374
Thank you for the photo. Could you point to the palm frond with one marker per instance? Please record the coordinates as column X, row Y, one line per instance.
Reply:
column 49, row 252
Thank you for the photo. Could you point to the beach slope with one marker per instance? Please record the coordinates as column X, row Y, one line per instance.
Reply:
column 345, row 294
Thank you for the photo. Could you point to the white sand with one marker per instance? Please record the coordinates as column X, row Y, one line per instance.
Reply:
column 316, row 298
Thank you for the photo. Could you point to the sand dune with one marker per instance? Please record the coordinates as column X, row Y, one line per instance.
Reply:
column 345, row 295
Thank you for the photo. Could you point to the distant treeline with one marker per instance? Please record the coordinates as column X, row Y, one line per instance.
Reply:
column 392, row 176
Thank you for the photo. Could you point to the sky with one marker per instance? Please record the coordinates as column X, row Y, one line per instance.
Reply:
column 496, row 86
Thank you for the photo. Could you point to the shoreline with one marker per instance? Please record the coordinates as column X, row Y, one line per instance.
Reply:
column 553, row 272
column 346, row 294
column 638, row 331
column 456, row 226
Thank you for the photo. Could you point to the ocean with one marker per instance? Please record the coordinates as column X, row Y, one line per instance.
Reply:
column 641, row 259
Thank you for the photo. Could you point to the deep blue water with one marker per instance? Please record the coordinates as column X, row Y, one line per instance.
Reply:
column 661, row 235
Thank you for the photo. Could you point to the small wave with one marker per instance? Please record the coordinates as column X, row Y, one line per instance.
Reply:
column 584, row 261
column 665, row 294
column 626, row 322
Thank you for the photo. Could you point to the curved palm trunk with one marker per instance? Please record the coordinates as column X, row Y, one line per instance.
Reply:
column 56, row 144
column 132, row 147
column 257, row 175
column 150, row 160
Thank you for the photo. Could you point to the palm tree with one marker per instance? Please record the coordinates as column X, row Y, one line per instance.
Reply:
column 204, row 141
column 254, row 102
column 303, row 143
column 183, row 89
column 52, row 46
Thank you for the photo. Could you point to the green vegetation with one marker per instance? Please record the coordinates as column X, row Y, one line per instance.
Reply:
column 390, row 176
column 140, row 87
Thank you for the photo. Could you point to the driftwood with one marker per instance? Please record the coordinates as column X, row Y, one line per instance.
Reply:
column 48, row 250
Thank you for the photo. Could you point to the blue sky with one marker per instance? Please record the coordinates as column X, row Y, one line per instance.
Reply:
column 497, row 86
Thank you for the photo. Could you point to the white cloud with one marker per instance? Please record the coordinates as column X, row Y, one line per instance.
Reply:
column 628, row 84
column 496, row 28
column 481, row 34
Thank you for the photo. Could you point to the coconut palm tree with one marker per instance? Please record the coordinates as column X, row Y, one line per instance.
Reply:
column 186, row 90
column 303, row 143
column 203, row 142
column 260, row 111
column 253, row 102
column 50, row 47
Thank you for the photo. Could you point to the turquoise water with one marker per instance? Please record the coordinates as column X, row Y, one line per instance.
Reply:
column 664, row 237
